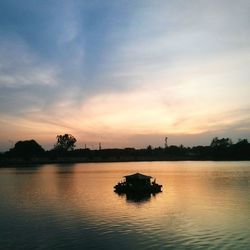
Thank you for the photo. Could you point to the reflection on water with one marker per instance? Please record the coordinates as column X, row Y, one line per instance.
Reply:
column 204, row 205
column 137, row 197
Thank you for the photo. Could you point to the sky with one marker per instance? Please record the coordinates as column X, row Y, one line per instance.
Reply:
column 124, row 73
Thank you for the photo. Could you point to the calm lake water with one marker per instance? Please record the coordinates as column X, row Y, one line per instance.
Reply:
column 204, row 205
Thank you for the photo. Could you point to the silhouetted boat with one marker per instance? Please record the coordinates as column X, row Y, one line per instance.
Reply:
column 138, row 183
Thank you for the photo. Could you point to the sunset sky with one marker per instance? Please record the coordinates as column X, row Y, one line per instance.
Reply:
column 124, row 73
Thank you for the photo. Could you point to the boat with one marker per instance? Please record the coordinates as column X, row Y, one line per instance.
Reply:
column 138, row 183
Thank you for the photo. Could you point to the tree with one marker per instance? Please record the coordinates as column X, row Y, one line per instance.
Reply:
column 222, row 143
column 65, row 142
column 27, row 149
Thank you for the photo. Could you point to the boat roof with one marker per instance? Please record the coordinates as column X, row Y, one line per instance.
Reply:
column 138, row 176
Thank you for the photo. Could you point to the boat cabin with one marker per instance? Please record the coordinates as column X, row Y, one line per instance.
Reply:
column 138, row 179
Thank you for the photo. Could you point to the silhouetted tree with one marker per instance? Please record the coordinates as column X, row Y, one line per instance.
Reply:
column 224, row 142
column 26, row 149
column 242, row 142
column 241, row 150
column 166, row 142
column 65, row 142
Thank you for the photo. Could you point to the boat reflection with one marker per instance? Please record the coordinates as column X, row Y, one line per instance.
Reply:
column 136, row 197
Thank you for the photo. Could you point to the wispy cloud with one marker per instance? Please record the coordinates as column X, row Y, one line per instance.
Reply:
column 125, row 69
column 20, row 67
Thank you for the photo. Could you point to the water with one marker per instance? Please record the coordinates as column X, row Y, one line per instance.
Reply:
column 204, row 205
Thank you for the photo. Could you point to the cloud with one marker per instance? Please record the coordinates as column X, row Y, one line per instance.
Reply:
column 127, row 68
column 20, row 67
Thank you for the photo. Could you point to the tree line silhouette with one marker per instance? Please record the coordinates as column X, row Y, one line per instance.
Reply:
column 64, row 151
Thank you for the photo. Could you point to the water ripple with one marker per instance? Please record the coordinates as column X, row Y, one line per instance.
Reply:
column 55, row 208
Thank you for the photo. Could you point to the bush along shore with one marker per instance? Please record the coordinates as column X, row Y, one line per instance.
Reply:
column 30, row 152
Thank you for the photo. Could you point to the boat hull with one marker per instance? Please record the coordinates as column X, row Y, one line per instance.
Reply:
column 151, row 189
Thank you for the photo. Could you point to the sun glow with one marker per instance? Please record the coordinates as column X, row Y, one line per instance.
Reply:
column 153, row 73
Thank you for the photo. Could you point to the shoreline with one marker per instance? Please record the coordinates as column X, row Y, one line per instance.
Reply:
column 23, row 163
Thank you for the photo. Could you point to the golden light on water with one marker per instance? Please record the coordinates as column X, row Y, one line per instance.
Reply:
column 203, row 204
column 88, row 190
